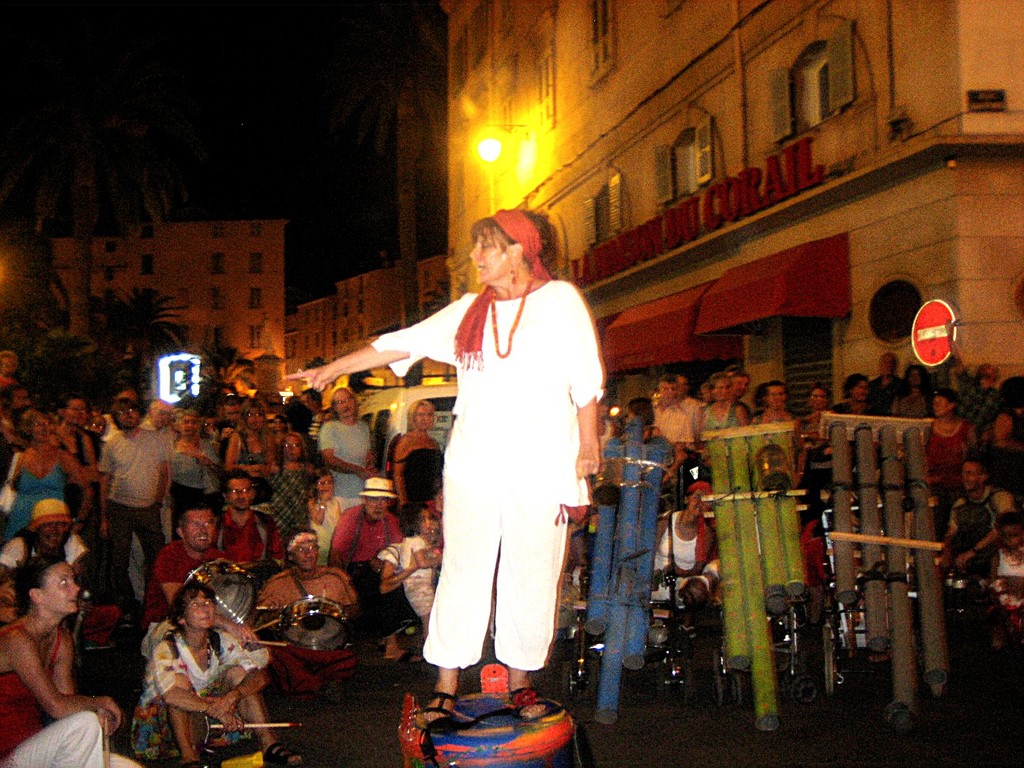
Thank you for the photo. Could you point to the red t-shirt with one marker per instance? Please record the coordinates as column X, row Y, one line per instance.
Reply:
column 172, row 566
column 246, row 543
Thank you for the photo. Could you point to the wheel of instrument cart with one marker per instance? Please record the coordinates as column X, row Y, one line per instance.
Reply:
column 675, row 678
column 830, row 651
column 579, row 681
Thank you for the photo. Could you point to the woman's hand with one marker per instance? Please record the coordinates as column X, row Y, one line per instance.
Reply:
column 108, row 713
column 222, row 708
column 588, row 461
column 319, row 378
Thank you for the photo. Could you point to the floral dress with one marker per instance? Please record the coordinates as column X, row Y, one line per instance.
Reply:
column 151, row 735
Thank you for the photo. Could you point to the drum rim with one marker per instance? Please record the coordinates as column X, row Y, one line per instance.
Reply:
column 223, row 566
column 290, row 621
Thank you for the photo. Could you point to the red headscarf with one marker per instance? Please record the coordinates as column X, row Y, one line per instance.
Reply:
column 469, row 339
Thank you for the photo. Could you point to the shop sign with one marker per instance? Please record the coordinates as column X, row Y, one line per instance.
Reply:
column 751, row 190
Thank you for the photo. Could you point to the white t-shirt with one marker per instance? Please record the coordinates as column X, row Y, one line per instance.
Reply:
column 419, row 587
column 13, row 554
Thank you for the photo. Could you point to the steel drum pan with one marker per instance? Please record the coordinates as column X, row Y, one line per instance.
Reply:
column 233, row 585
column 316, row 623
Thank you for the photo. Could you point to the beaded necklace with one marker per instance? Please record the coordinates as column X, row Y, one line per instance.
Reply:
column 515, row 323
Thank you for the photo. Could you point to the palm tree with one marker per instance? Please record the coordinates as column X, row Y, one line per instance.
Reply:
column 94, row 125
column 388, row 79
column 141, row 323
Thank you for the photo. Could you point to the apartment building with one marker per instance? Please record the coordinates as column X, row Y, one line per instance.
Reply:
column 224, row 280
column 778, row 183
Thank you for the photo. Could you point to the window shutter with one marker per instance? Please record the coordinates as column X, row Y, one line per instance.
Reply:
column 703, row 153
column 589, row 222
column 781, row 104
column 615, row 221
column 663, row 173
column 839, row 52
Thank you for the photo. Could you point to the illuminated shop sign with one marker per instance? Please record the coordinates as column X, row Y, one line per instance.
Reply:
column 751, row 190
column 178, row 376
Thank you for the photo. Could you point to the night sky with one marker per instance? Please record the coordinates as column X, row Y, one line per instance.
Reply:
column 258, row 75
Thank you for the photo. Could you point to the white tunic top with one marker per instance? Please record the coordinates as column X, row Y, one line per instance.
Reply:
column 516, row 418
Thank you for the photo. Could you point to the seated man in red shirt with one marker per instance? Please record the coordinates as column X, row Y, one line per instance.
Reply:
column 247, row 535
column 362, row 532
column 196, row 529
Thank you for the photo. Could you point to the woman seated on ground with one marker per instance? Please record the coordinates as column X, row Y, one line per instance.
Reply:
column 199, row 671
column 37, row 678
column 413, row 565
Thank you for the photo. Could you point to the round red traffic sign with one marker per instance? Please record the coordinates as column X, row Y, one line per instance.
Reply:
column 930, row 337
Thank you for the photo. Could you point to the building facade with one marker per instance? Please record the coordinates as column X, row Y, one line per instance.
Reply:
column 224, row 279
column 361, row 308
column 779, row 183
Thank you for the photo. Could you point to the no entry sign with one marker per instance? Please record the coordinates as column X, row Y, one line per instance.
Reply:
column 930, row 337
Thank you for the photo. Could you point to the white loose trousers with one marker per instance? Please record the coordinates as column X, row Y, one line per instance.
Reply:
column 75, row 741
column 529, row 568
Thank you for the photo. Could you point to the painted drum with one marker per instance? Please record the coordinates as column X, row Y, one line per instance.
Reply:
column 502, row 741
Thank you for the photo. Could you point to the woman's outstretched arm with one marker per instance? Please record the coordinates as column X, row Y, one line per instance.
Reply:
column 361, row 360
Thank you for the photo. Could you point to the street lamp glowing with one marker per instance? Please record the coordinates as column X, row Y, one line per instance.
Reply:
column 489, row 149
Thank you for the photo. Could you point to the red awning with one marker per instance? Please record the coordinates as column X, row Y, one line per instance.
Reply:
column 811, row 280
column 661, row 332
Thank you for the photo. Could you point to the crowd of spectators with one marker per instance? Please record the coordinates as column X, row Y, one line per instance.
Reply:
column 140, row 499
column 136, row 496
column 974, row 450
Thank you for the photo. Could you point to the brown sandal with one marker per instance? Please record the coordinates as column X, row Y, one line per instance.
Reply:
column 437, row 717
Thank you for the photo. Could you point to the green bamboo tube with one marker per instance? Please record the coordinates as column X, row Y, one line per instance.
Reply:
column 789, row 519
column 762, row 669
column 789, row 522
column 736, row 637
column 773, row 559
column 769, row 535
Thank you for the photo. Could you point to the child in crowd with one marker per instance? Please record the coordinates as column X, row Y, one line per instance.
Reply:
column 413, row 564
column 1007, row 581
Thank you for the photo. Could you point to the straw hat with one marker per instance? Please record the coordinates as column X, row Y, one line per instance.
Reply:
column 379, row 487
column 49, row 511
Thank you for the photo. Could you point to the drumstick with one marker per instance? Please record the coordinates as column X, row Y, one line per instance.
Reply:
column 260, row 725
column 267, row 624
column 872, row 539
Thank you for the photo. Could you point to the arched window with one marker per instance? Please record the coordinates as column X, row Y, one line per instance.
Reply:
column 682, row 168
column 811, row 81
column 820, row 84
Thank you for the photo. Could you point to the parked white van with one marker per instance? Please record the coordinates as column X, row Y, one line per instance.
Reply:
column 386, row 412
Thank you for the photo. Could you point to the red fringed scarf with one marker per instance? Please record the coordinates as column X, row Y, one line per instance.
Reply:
column 469, row 339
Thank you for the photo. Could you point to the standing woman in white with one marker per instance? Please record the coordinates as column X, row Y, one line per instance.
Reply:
column 524, row 441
